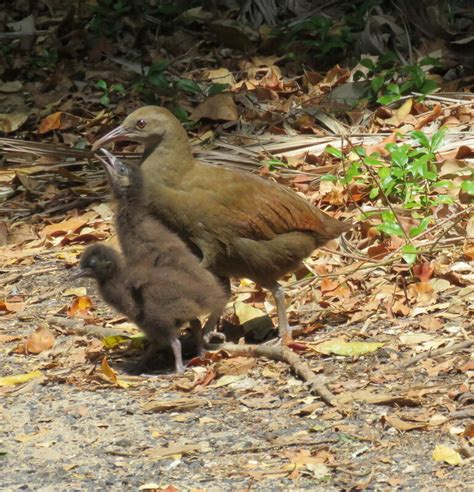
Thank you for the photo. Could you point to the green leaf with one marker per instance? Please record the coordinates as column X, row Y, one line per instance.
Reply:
column 429, row 86
column 437, row 139
column 101, row 84
column 117, row 88
column 468, row 187
column 329, row 177
column 180, row 113
column 384, row 100
column 217, row 89
column 105, row 100
column 374, row 192
column 377, row 83
column 372, row 161
column 188, row 85
column 409, row 253
column 421, row 138
column 334, row 152
column 393, row 89
column 421, row 227
column 391, row 228
column 368, row 63
column 158, row 67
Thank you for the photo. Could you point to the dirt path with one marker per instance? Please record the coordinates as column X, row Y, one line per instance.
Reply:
column 233, row 424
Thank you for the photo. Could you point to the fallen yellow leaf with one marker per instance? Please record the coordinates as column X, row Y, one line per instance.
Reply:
column 19, row 378
column 446, row 454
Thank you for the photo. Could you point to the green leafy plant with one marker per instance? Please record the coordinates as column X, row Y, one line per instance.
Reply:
column 389, row 81
column 158, row 83
column 318, row 37
column 407, row 178
column 108, row 91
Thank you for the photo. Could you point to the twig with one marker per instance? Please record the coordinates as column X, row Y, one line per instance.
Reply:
column 79, row 328
column 283, row 354
column 17, row 276
column 467, row 413
column 434, row 353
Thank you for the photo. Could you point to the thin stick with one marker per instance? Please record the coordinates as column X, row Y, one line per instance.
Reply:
column 434, row 353
column 283, row 354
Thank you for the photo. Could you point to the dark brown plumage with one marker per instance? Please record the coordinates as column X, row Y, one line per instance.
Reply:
column 239, row 224
column 159, row 284
column 149, row 244
column 158, row 301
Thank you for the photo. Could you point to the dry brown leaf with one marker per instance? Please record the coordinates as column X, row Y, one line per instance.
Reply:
column 218, row 107
column 60, row 228
column 80, row 306
column 403, row 425
column 40, row 340
column 236, row 365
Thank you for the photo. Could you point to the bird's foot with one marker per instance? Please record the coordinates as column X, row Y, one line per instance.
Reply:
column 214, row 334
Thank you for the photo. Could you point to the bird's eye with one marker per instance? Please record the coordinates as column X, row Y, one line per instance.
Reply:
column 141, row 124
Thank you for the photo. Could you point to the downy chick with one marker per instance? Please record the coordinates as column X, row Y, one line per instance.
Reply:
column 151, row 249
column 158, row 300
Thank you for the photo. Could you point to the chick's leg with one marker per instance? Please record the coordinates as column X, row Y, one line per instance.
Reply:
column 211, row 323
column 284, row 329
column 196, row 330
column 178, row 355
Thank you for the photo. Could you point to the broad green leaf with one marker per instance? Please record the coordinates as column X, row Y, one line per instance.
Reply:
column 374, row 193
column 334, row 152
column 384, row 100
column 114, row 341
column 377, row 83
column 105, row 100
column 217, row 89
column 409, row 253
column 421, row 227
column 188, row 85
column 117, row 88
column 368, row 63
column 329, row 177
column 429, row 86
column 468, row 187
column 159, row 66
column 348, row 349
column 101, row 84
column 437, row 139
column 391, row 228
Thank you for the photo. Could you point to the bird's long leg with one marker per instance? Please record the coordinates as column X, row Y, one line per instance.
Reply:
column 196, row 330
column 178, row 355
column 213, row 319
column 284, row 329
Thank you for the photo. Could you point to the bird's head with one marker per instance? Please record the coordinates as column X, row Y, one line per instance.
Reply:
column 147, row 125
column 99, row 262
column 125, row 180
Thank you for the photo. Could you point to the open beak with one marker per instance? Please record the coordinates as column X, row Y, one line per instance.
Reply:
column 110, row 162
column 81, row 273
column 115, row 135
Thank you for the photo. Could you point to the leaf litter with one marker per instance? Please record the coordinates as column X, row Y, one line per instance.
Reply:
column 391, row 339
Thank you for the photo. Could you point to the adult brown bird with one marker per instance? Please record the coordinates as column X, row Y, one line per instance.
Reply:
column 241, row 225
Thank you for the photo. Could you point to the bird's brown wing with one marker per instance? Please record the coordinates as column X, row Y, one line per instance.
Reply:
column 241, row 204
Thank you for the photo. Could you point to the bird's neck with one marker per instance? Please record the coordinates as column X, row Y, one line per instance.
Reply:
column 166, row 161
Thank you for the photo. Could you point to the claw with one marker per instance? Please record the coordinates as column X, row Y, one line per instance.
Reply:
column 214, row 334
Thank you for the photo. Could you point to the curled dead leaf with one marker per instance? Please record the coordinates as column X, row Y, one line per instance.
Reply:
column 41, row 339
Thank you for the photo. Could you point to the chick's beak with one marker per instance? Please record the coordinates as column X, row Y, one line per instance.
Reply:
column 80, row 273
column 115, row 135
column 110, row 162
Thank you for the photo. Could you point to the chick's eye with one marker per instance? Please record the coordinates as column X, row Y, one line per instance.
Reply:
column 141, row 124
